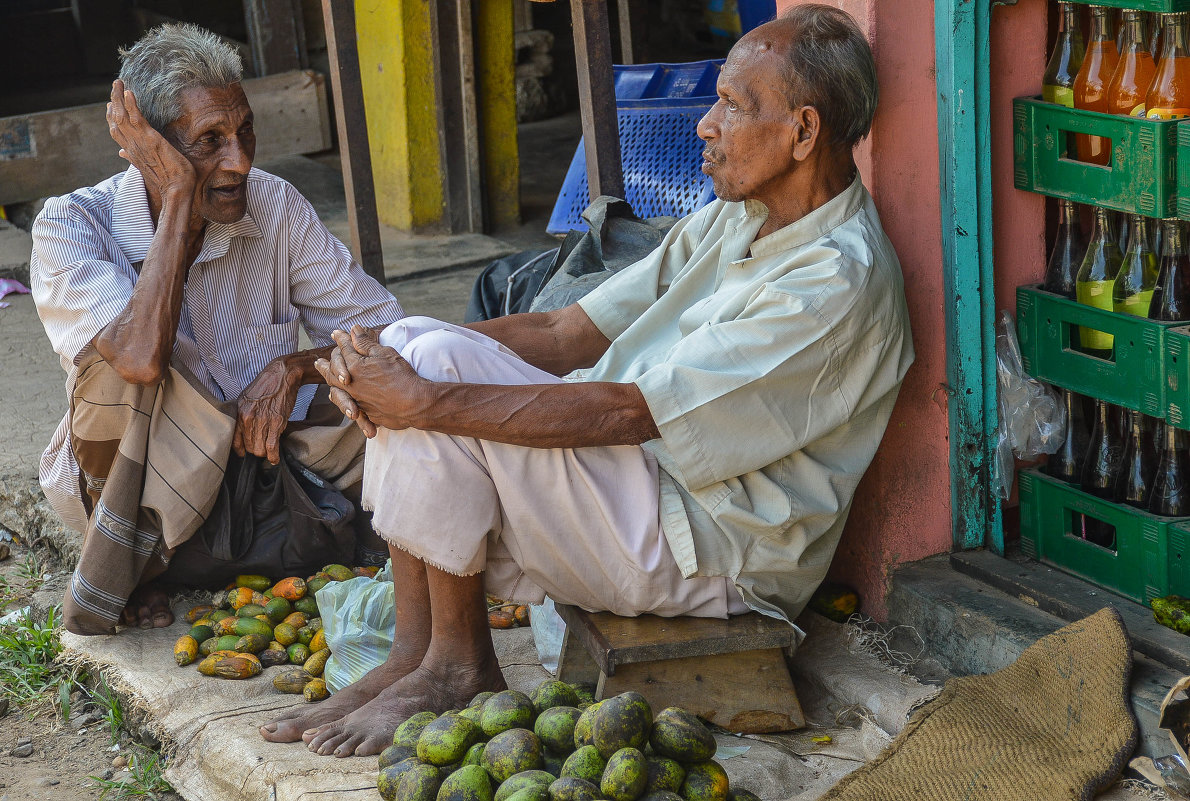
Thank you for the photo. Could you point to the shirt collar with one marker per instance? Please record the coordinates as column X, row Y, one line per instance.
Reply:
column 132, row 224
column 813, row 226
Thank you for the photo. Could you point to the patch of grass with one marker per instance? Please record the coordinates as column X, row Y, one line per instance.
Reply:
column 27, row 652
column 109, row 705
column 145, row 780
column 30, row 570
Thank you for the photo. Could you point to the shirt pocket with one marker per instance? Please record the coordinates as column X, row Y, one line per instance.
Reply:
column 265, row 343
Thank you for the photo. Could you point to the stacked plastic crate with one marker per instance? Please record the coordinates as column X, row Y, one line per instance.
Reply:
column 1148, row 369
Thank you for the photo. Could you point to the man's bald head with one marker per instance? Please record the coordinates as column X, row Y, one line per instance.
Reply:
column 827, row 64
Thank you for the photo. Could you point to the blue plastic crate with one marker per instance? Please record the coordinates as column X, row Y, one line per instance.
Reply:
column 660, row 152
column 666, row 81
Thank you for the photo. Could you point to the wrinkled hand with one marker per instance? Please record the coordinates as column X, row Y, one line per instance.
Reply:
column 162, row 165
column 371, row 383
column 264, row 409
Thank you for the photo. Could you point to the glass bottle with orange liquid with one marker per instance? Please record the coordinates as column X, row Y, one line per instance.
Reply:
column 1090, row 87
column 1130, row 82
column 1169, row 96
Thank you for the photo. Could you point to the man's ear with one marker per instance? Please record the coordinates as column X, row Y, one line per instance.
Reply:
column 807, row 127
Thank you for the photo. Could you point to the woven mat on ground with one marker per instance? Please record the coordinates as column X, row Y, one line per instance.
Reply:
column 1054, row 725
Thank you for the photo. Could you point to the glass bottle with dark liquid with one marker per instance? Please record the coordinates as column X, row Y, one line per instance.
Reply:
column 1171, row 494
column 1100, row 468
column 1067, row 463
column 1138, row 465
column 1171, row 295
column 1070, row 246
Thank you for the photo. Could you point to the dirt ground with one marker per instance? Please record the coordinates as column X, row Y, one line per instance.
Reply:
column 70, row 759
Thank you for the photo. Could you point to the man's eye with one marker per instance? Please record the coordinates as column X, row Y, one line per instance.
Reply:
column 246, row 129
column 732, row 106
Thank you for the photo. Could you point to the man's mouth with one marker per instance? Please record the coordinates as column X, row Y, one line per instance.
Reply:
column 709, row 160
column 229, row 191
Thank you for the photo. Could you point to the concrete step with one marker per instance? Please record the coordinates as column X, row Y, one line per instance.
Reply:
column 970, row 628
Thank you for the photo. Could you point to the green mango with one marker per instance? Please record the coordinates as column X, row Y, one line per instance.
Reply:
column 623, row 721
column 507, row 709
column 511, row 752
column 551, row 693
column 664, row 774
column 585, row 763
column 468, row 783
column 555, row 728
column 705, row 781
column 394, row 754
column 568, row 788
column 474, row 754
column 408, row 732
column 679, row 735
column 419, row 783
column 390, row 777
column 518, row 781
column 582, row 729
column 626, row 775
column 445, row 740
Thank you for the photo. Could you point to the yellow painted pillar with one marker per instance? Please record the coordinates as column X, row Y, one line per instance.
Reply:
column 396, row 55
column 495, row 64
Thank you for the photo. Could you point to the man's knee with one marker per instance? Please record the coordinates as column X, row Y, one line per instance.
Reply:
column 435, row 352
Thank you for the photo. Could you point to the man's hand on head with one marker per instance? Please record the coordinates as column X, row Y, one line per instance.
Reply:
column 371, row 383
column 164, row 168
column 264, row 409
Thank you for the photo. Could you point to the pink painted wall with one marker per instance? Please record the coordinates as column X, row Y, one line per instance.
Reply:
column 902, row 509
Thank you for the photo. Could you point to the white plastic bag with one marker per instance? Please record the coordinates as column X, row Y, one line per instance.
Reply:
column 548, row 631
column 358, row 621
column 1032, row 418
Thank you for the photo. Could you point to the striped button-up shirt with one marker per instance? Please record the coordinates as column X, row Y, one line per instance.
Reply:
column 250, row 288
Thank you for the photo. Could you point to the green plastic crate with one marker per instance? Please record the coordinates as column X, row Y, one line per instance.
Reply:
column 1141, row 179
column 1142, row 5
column 1152, row 556
column 1135, row 378
column 1177, row 376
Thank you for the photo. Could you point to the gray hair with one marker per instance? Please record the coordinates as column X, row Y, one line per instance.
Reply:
column 170, row 59
column 830, row 67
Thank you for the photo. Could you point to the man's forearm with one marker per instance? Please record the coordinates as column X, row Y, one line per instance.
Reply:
column 139, row 342
column 557, row 342
column 573, row 415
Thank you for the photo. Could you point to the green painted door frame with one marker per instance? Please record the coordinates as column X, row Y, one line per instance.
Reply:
column 963, row 45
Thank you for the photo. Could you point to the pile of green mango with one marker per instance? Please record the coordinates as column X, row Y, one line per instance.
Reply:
column 1172, row 612
column 558, row 745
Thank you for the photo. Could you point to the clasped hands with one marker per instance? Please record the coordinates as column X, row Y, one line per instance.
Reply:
column 371, row 384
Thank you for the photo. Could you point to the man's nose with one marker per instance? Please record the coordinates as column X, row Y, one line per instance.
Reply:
column 236, row 157
column 708, row 126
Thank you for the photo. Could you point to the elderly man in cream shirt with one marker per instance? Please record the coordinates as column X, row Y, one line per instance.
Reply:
column 722, row 399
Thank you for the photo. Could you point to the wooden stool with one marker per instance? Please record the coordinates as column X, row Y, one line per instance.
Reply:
column 730, row 672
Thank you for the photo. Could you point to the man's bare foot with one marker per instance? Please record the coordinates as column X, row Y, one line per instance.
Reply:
column 369, row 729
column 289, row 729
column 148, row 608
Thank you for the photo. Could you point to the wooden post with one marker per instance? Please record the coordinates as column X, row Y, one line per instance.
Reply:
column 351, row 121
column 597, row 97
column 963, row 53
column 458, row 123
column 632, row 28
column 276, row 34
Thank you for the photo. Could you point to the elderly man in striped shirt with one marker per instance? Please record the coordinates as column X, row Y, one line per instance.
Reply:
column 169, row 290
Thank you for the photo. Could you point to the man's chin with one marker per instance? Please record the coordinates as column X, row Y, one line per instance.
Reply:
column 225, row 213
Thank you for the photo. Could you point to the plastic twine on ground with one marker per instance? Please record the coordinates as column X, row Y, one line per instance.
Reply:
column 9, row 286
